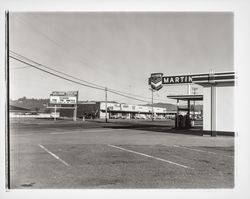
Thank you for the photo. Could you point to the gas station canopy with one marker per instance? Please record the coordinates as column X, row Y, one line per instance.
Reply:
column 186, row 97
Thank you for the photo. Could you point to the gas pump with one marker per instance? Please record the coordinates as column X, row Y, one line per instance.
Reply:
column 182, row 120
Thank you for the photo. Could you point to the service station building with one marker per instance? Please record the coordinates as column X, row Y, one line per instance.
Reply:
column 218, row 97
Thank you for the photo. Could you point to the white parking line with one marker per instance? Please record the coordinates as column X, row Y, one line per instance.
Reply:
column 156, row 158
column 55, row 156
column 199, row 150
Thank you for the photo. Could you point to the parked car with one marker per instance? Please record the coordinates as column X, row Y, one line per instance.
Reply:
column 113, row 117
column 159, row 117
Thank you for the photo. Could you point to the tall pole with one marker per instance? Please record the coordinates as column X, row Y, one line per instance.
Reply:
column 177, row 114
column 55, row 113
column 152, row 98
column 75, row 110
column 211, row 111
column 106, row 111
column 7, row 98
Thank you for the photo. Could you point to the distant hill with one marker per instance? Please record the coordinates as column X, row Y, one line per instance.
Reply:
column 32, row 104
column 40, row 104
column 16, row 108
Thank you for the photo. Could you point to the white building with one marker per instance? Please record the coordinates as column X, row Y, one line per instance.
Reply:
column 116, row 110
column 218, row 100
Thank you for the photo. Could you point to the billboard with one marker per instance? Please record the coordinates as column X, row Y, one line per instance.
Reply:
column 60, row 97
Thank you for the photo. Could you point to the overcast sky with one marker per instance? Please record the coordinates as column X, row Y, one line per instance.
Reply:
column 117, row 50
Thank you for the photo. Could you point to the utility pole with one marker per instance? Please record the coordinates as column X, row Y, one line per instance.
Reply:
column 55, row 113
column 152, row 98
column 75, row 110
column 130, row 92
column 177, row 114
column 106, row 97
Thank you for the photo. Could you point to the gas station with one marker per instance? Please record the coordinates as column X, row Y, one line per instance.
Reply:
column 217, row 97
column 184, row 122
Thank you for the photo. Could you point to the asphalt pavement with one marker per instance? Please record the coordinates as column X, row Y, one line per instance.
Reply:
column 92, row 154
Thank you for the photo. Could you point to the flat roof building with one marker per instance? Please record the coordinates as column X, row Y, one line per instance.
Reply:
column 97, row 109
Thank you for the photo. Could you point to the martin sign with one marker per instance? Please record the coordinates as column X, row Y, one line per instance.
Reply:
column 182, row 79
column 157, row 80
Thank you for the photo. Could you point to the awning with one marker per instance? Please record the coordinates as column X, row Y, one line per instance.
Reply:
column 186, row 97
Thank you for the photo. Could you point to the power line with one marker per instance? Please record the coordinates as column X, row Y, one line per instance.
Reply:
column 96, row 85
column 134, row 94
column 127, row 96
column 55, row 74
column 24, row 62
column 23, row 57
column 61, row 47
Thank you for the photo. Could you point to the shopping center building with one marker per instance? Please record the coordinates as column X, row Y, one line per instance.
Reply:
column 97, row 109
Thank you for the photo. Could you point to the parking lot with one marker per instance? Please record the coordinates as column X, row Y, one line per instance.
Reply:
column 92, row 154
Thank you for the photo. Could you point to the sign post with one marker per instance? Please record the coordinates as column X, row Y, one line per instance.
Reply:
column 61, row 97
column 55, row 113
column 106, row 110
column 156, row 84
column 75, row 110
column 177, row 114
column 152, row 105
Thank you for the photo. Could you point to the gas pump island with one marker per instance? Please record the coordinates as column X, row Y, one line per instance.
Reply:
column 218, row 96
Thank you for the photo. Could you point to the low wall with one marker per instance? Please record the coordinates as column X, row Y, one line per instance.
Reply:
column 42, row 115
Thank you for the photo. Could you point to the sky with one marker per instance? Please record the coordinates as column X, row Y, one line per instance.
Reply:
column 117, row 50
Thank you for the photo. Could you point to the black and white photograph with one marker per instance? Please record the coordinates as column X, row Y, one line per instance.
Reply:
column 122, row 100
